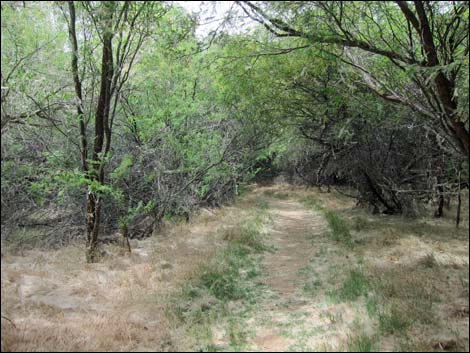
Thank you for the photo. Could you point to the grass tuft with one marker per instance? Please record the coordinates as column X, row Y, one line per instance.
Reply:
column 236, row 333
column 311, row 202
column 429, row 261
column 312, row 287
column 361, row 343
column 339, row 228
column 249, row 235
column 355, row 286
column 278, row 195
column 360, row 223
column 224, row 281
column 395, row 321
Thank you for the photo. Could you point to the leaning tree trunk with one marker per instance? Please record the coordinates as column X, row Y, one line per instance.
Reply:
column 445, row 87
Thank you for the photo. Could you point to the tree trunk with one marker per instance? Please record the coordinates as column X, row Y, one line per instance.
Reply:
column 93, row 224
column 459, row 204
column 378, row 195
column 125, row 236
column 445, row 87
column 101, row 147
column 439, row 212
column 459, row 207
column 78, row 87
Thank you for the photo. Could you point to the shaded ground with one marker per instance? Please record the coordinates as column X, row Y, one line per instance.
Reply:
column 57, row 302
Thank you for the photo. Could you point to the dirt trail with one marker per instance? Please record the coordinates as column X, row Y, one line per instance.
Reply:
column 296, row 235
column 57, row 302
column 299, row 313
column 291, row 236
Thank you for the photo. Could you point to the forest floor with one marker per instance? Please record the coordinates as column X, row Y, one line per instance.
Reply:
column 283, row 268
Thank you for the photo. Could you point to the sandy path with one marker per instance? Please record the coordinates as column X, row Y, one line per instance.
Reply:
column 294, row 227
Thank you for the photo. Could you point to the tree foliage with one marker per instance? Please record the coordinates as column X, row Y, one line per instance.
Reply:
column 125, row 105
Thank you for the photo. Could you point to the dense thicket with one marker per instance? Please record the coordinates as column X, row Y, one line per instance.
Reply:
column 117, row 112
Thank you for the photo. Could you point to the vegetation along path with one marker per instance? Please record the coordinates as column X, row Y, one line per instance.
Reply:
column 234, row 175
column 292, row 315
column 281, row 269
column 325, row 291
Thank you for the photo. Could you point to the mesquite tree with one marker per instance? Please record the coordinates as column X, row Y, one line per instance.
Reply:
column 121, row 28
column 415, row 55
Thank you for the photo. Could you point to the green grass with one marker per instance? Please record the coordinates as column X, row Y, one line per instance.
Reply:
column 262, row 203
column 278, row 195
column 228, row 277
column 361, row 343
column 429, row 261
column 209, row 348
column 209, row 295
column 399, row 225
column 312, row 287
column 249, row 235
column 308, row 269
column 310, row 202
column 225, row 280
column 396, row 317
column 400, row 300
column 237, row 334
column 27, row 238
column 411, row 292
column 396, row 299
column 323, row 251
column 372, row 306
column 360, row 223
column 355, row 286
column 339, row 228
column 395, row 321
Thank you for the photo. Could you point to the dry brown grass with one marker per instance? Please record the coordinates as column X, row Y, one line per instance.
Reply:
column 418, row 270
column 422, row 269
column 58, row 302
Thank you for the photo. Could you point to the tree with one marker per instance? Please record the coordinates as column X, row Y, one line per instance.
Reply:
column 427, row 45
column 124, row 21
column 23, row 53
